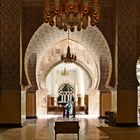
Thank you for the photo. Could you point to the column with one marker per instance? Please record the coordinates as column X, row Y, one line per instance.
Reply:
column 31, row 104
column 127, row 57
column 64, row 97
column 10, row 78
column 81, row 86
column 80, row 81
column 93, row 102
column 105, row 101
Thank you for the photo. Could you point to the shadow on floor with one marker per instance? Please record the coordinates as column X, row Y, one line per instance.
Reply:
column 122, row 133
column 3, row 130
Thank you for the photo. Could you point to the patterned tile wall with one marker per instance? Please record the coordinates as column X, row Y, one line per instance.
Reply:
column 138, row 40
column 32, row 18
column 10, row 45
column 138, row 28
column 127, row 47
column 107, row 27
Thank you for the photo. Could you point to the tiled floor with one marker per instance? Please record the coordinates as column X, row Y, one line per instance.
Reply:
column 90, row 129
column 43, row 129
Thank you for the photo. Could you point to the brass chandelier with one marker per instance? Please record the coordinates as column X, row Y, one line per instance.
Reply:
column 64, row 72
column 69, row 57
column 66, row 14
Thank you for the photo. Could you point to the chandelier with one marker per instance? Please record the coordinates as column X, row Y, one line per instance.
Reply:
column 64, row 72
column 69, row 57
column 66, row 14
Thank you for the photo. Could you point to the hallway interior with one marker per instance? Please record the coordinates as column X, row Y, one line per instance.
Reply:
column 97, row 69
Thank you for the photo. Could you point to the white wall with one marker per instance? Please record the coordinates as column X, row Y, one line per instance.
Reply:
column 75, row 75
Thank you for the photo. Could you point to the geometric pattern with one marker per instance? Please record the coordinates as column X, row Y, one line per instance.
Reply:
column 10, row 45
column 29, row 26
column 65, row 87
column 127, row 48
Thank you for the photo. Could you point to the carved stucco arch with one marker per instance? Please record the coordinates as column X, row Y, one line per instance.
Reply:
column 81, row 65
column 91, row 71
column 137, row 70
column 90, row 38
column 31, row 71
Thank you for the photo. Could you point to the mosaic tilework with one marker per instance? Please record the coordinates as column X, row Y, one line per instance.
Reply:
column 138, row 40
column 32, row 18
column 107, row 27
column 127, row 49
column 10, row 25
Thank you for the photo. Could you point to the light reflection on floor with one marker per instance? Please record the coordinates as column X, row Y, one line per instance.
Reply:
column 43, row 129
column 77, row 116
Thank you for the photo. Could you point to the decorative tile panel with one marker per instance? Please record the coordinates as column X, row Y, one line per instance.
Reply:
column 10, row 47
column 127, row 48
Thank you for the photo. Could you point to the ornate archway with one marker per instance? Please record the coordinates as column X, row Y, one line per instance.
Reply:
column 48, row 39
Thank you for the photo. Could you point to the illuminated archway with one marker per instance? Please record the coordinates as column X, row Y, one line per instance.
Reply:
column 91, row 39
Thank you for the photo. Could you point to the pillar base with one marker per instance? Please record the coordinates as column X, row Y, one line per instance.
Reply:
column 127, row 125
column 31, row 117
column 12, row 125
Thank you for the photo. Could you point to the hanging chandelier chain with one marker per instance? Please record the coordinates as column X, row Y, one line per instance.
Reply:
column 68, row 37
column 68, row 57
